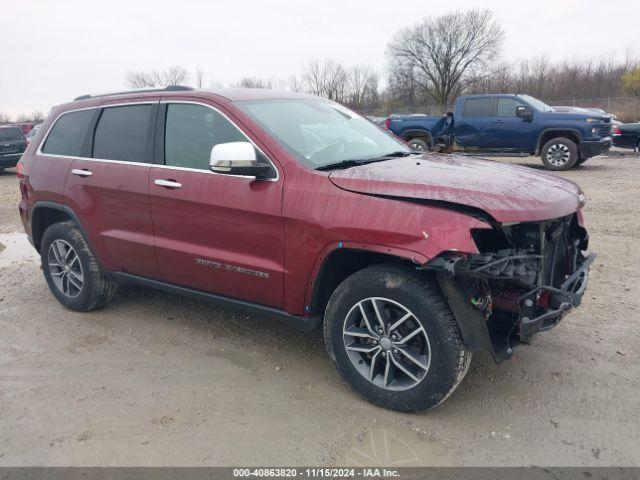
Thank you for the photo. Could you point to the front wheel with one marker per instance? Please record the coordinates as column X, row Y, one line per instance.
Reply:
column 559, row 154
column 393, row 338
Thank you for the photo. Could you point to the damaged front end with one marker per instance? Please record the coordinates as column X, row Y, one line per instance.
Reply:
column 525, row 278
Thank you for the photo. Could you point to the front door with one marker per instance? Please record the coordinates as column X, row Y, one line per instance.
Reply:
column 509, row 132
column 110, row 190
column 216, row 233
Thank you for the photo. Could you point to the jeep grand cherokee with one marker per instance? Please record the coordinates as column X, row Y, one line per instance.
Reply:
column 295, row 207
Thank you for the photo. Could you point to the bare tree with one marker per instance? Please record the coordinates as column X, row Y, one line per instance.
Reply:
column 34, row 117
column 441, row 51
column 362, row 87
column 295, row 84
column 631, row 81
column 199, row 78
column 255, row 82
column 326, row 79
column 175, row 75
column 4, row 118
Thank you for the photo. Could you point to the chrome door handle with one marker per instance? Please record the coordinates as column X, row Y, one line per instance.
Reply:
column 167, row 183
column 81, row 173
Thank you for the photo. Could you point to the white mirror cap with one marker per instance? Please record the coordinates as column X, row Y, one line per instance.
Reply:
column 226, row 153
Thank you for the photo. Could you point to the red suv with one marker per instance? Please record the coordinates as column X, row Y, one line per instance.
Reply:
column 297, row 208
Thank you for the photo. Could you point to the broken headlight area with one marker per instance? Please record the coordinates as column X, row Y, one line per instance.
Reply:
column 524, row 278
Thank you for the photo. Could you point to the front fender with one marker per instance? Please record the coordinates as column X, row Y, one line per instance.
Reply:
column 446, row 231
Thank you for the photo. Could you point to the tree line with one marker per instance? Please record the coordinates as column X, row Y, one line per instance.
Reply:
column 429, row 64
column 432, row 62
column 33, row 117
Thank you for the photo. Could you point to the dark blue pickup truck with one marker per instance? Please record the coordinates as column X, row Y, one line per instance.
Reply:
column 509, row 125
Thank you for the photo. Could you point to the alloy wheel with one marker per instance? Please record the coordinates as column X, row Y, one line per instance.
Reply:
column 387, row 344
column 65, row 268
column 558, row 154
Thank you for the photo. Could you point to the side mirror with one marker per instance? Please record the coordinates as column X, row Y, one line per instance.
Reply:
column 237, row 158
column 524, row 113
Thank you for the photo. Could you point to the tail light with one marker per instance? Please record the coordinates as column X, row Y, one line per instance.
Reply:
column 387, row 123
column 19, row 169
column 616, row 130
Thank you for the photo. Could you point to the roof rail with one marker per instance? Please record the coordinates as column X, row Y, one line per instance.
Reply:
column 170, row 88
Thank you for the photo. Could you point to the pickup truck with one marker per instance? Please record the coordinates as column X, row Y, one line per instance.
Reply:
column 509, row 125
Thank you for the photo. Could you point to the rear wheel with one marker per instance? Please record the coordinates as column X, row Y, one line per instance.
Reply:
column 559, row 154
column 420, row 144
column 72, row 271
column 393, row 338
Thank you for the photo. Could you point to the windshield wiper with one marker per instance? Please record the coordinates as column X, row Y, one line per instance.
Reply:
column 399, row 153
column 341, row 164
column 354, row 163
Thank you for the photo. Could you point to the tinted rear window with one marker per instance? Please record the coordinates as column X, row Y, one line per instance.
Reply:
column 121, row 133
column 68, row 134
column 10, row 134
column 478, row 107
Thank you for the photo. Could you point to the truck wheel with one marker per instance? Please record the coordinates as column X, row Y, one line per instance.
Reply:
column 559, row 154
column 420, row 144
column 392, row 336
column 71, row 270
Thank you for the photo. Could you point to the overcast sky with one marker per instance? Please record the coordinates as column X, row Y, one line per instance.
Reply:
column 54, row 50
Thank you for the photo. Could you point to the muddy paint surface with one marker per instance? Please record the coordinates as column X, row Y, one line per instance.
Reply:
column 159, row 380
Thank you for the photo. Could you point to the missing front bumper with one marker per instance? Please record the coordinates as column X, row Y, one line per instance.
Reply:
column 560, row 301
column 503, row 325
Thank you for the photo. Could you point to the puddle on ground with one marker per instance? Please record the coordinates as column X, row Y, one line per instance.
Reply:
column 15, row 247
column 383, row 447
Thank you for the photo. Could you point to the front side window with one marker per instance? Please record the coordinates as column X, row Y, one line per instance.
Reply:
column 191, row 131
column 68, row 134
column 478, row 107
column 319, row 132
column 507, row 107
column 121, row 133
column 537, row 104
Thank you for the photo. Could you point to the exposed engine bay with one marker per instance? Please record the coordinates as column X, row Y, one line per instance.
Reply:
column 526, row 276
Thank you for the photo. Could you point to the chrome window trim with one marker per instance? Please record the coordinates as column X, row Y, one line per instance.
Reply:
column 39, row 151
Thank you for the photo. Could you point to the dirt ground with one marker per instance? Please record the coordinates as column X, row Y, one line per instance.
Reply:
column 159, row 380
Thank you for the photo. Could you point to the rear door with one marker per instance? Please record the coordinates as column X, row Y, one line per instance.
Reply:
column 509, row 132
column 109, row 191
column 216, row 233
column 473, row 130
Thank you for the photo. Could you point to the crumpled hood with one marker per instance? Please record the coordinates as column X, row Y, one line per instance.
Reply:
column 509, row 193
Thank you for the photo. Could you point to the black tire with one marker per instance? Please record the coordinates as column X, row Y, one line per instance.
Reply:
column 559, row 154
column 96, row 290
column 420, row 144
column 419, row 295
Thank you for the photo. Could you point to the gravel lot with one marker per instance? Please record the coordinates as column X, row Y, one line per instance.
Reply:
column 159, row 380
